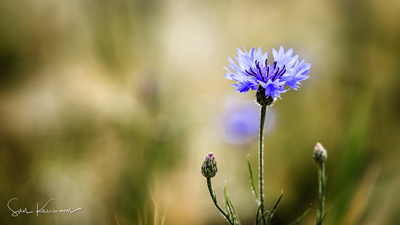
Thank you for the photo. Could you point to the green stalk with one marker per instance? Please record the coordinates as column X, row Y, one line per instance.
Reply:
column 321, row 190
column 214, row 198
column 261, row 159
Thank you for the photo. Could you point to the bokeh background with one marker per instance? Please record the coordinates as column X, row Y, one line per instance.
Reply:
column 112, row 105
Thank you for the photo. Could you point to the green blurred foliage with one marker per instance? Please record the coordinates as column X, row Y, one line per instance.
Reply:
column 112, row 106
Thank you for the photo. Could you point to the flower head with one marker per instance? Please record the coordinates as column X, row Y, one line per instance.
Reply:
column 209, row 167
column 320, row 154
column 252, row 71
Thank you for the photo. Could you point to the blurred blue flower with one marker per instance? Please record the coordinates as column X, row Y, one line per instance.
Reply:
column 252, row 71
column 241, row 122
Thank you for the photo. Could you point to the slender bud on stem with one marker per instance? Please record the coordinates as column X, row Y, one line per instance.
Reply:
column 209, row 169
column 320, row 156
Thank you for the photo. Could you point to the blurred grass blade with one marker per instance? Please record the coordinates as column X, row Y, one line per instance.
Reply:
column 258, row 213
column 322, row 220
column 228, row 209
column 253, row 188
column 301, row 217
column 270, row 214
column 225, row 205
column 262, row 215
column 234, row 214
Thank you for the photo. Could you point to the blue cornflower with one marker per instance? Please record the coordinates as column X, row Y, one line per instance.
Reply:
column 252, row 71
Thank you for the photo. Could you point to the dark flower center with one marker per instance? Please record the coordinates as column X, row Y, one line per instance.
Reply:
column 266, row 72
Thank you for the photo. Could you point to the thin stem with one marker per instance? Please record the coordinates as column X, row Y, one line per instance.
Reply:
column 261, row 158
column 321, row 190
column 214, row 198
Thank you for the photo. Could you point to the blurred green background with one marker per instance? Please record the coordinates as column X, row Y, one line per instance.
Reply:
column 112, row 105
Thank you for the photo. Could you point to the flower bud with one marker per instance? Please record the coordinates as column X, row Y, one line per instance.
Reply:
column 320, row 154
column 209, row 168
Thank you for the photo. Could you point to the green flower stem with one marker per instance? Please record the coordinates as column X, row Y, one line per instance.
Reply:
column 321, row 190
column 261, row 159
column 214, row 198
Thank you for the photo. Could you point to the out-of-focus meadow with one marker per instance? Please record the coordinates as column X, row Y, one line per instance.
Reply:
column 112, row 105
